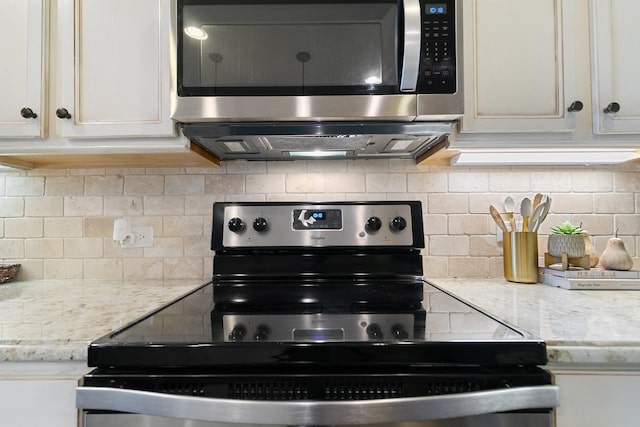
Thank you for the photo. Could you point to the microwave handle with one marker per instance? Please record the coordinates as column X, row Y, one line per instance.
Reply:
column 412, row 37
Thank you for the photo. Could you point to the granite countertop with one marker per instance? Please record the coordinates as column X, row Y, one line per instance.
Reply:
column 54, row 320
column 591, row 327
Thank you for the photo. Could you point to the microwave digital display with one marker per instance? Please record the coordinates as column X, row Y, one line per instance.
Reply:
column 436, row 9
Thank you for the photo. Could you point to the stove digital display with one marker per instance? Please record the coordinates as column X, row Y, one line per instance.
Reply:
column 311, row 219
column 319, row 215
column 318, row 335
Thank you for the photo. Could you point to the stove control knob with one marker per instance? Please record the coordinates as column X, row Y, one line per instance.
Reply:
column 398, row 224
column 262, row 333
column 374, row 332
column 237, row 333
column 236, row 225
column 260, row 225
column 399, row 332
column 373, row 224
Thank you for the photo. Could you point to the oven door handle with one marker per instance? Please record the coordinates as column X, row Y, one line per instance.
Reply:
column 411, row 53
column 317, row 412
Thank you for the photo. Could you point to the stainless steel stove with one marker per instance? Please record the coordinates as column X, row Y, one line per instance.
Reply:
column 317, row 314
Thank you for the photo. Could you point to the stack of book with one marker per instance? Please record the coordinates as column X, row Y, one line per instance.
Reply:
column 595, row 278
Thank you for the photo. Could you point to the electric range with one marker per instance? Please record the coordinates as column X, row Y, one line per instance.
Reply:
column 317, row 314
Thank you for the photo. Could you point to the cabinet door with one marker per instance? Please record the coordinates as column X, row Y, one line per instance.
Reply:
column 39, row 402
column 598, row 398
column 21, row 68
column 616, row 65
column 115, row 68
column 520, row 64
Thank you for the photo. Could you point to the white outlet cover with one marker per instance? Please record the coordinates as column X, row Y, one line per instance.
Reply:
column 142, row 238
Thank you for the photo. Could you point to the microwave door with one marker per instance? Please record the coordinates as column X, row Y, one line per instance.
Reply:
column 307, row 60
column 412, row 37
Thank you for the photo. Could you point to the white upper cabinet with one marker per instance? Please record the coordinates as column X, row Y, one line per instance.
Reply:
column 522, row 72
column 114, row 68
column 615, row 26
column 83, row 69
column 22, row 99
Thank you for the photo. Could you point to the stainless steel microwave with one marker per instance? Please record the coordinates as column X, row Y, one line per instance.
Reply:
column 316, row 60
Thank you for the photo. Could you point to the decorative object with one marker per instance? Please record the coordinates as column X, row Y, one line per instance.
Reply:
column 566, row 239
column 565, row 261
column 521, row 256
column 566, row 246
column 8, row 272
column 570, row 244
column 615, row 255
column 589, row 249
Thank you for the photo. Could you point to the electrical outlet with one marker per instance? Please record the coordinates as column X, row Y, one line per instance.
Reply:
column 142, row 238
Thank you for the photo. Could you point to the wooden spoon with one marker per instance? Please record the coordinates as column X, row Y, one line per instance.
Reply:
column 536, row 200
column 498, row 218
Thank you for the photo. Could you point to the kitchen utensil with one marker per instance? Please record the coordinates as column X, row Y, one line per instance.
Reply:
column 497, row 218
column 525, row 211
column 509, row 208
column 535, row 217
column 536, row 200
column 546, row 205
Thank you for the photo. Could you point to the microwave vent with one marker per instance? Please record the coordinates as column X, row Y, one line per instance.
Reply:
column 314, row 142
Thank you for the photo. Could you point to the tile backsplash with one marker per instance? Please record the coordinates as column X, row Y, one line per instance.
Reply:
column 58, row 223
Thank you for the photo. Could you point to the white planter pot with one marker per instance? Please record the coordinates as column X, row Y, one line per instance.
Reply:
column 571, row 244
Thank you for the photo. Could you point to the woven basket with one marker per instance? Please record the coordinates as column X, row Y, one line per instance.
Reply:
column 8, row 272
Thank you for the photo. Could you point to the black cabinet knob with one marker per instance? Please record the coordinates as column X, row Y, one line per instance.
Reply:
column 28, row 113
column 63, row 113
column 575, row 106
column 612, row 108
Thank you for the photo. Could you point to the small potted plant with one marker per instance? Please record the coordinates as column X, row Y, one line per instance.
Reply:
column 566, row 238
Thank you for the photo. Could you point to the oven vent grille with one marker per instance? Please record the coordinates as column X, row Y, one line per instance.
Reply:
column 276, row 390
column 450, row 387
column 362, row 390
column 182, row 388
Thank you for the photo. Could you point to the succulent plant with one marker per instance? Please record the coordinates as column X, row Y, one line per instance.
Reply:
column 566, row 228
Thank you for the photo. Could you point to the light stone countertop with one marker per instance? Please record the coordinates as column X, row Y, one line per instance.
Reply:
column 55, row 320
column 580, row 327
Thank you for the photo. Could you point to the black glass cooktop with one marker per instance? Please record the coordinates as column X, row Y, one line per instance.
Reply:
column 187, row 333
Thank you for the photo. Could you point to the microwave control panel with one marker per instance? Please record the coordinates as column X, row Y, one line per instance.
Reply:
column 438, row 51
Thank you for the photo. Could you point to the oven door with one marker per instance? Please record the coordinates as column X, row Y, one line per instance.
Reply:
column 522, row 406
column 519, row 419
